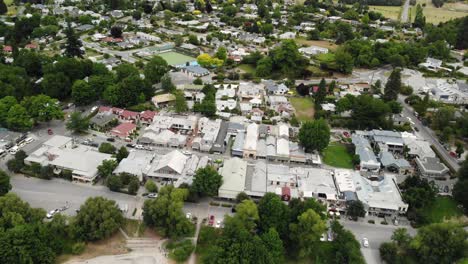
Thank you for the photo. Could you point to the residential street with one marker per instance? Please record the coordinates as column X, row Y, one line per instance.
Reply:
column 427, row 134
column 405, row 12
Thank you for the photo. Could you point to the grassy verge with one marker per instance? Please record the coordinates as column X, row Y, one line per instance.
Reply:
column 443, row 208
column 304, row 107
column 337, row 155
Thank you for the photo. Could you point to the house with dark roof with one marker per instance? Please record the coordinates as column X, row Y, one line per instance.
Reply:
column 195, row 71
column 431, row 167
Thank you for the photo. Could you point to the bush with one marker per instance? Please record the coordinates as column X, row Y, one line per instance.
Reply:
column 226, row 205
column 150, row 186
column 180, row 251
column 78, row 248
column 371, row 222
column 384, row 223
column 106, row 147
column 214, row 203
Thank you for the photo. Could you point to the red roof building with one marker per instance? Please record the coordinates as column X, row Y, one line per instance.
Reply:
column 105, row 109
column 128, row 116
column 147, row 117
column 123, row 130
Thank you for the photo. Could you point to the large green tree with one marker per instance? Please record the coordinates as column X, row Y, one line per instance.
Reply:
column 273, row 213
column 98, row 218
column 18, row 118
column 165, row 212
column 155, row 69
column 106, row 168
column 56, row 85
column 83, row 93
column 77, row 123
column 393, row 86
column 419, row 18
column 73, row 44
column 42, row 108
column 207, row 181
column 307, row 232
column 314, row 135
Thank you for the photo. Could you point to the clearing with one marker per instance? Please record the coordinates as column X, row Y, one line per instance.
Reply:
column 443, row 208
column 445, row 13
column 247, row 68
column 319, row 43
column 392, row 12
column 336, row 155
column 304, row 107
column 115, row 245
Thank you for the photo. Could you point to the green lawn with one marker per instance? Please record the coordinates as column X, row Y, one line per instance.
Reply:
column 336, row 155
column 304, row 107
column 174, row 58
column 247, row 68
column 443, row 208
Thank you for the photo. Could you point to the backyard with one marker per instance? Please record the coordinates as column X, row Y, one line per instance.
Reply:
column 304, row 107
column 443, row 208
column 337, row 155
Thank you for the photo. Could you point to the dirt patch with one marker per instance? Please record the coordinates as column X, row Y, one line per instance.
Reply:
column 115, row 245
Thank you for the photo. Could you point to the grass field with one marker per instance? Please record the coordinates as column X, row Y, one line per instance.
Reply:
column 247, row 68
column 304, row 108
column 174, row 58
column 319, row 43
column 443, row 208
column 445, row 13
column 392, row 12
column 337, row 155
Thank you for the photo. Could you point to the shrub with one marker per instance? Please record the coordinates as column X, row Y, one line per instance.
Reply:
column 78, row 248
column 214, row 204
column 384, row 223
column 151, row 186
column 371, row 221
column 180, row 251
column 226, row 205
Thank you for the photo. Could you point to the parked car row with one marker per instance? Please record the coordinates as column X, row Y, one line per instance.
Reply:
column 13, row 148
column 89, row 142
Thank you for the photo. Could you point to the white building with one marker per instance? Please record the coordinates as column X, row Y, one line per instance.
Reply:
column 250, row 143
column 234, row 173
column 313, row 50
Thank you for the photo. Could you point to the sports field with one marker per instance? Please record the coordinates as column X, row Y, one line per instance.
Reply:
column 174, row 58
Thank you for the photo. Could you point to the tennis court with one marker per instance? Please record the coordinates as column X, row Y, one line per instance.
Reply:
column 174, row 58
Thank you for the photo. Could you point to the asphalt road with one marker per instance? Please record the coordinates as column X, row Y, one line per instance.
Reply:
column 404, row 13
column 427, row 134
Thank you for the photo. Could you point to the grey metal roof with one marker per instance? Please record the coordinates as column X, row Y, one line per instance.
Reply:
column 196, row 69
column 239, row 141
column 219, row 146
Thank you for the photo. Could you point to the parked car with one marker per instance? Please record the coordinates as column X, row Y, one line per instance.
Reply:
column 13, row 150
column 211, row 221
column 446, row 189
column 111, row 139
column 152, row 195
column 130, row 145
column 188, row 215
column 186, row 152
column 52, row 213
column 50, row 132
column 323, row 238
column 218, row 224
column 29, row 140
column 453, row 154
column 365, row 242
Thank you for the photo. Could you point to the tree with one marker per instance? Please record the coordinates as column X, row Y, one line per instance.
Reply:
column 303, row 90
column 133, row 185
column 369, row 113
column 264, row 67
column 273, row 213
column 180, row 102
column 107, row 147
column 419, row 19
column 46, row 172
column 83, row 93
column 56, row 85
column 17, row 163
column 116, row 32
column 151, row 187
column 126, row 70
column 3, row 7
column 18, row 118
column 155, row 69
column 166, row 83
column 440, row 243
column 77, row 123
column 5, row 185
column 393, row 86
column 207, row 181
column 356, row 209
column 73, row 44
column 241, row 197
column 106, row 168
column 221, row 53
column 321, row 93
column 42, row 107
column 288, row 59
column 98, row 218
column 122, row 154
column 165, row 212
column 462, row 38
column 442, row 118
column 345, row 246
column 307, row 232
column 459, row 190
column 314, row 135
column 344, row 61
column 114, row 183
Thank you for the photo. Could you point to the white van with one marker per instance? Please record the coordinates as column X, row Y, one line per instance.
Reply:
column 29, row 140
column 13, row 150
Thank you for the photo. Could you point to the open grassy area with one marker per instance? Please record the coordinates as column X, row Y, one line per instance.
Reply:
column 443, row 208
column 174, row 58
column 319, row 43
column 392, row 12
column 304, row 108
column 445, row 13
column 337, row 155
column 247, row 68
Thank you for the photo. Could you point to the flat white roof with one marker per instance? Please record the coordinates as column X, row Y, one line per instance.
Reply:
column 251, row 138
column 234, row 172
